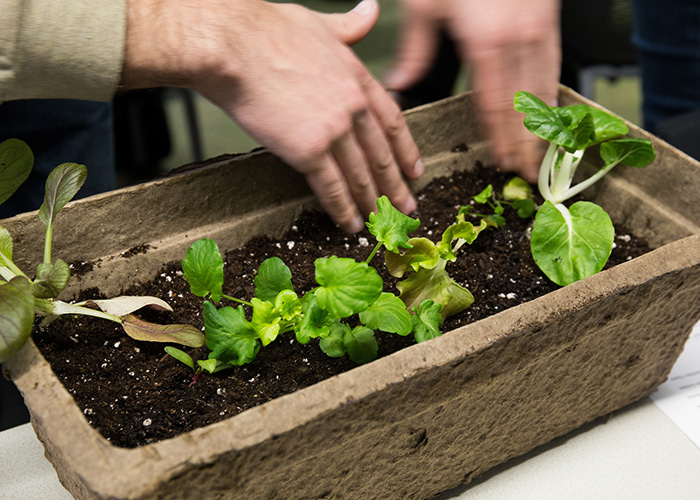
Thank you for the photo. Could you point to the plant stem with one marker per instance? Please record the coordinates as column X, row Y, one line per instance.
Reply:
column 588, row 182
column 234, row 299
column 374, row 252
column 11, row 269
column 547, row 170
column 47, row 243
column 58, row 307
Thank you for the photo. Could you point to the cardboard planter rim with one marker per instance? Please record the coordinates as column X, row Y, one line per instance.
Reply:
column 519, row 378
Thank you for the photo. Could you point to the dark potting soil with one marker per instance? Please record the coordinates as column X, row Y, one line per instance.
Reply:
column 135, row 394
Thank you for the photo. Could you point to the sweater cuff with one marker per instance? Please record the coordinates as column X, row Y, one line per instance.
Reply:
column 70, row 49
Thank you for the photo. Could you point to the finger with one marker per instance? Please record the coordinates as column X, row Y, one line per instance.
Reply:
column 352, row 162
column 416, row 51
column 382, row 164
column 353, row 26
column 393, row 124
column 327, row 182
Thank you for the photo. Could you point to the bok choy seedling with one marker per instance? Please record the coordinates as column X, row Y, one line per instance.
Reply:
column 22, row 297
column 572, row 243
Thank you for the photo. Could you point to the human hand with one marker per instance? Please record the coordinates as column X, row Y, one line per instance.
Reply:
column 287, row 76
column 511, row 45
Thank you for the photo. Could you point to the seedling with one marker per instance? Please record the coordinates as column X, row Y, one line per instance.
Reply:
column 346, row 289
column 21, row 297
column 571, row 243
column 516, row 194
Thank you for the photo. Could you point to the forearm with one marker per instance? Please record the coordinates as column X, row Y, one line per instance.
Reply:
column 53, row 49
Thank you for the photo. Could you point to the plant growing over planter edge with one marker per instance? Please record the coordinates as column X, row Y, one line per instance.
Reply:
column 21, row 298
column 346, row 288
column 569, row 244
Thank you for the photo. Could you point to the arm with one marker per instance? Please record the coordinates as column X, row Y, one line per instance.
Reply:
column 510, row 45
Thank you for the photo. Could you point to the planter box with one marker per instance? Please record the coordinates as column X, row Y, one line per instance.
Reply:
column 409, row 425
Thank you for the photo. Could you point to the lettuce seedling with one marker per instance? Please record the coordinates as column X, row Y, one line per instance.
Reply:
column 21, row 297
column 516, row 193
column 571, row 243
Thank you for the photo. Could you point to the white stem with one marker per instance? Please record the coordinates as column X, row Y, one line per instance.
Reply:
column 588, row 182
column 60, row 307
column 546, row 171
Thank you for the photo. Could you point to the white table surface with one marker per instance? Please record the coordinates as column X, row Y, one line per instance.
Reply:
column 637, row 454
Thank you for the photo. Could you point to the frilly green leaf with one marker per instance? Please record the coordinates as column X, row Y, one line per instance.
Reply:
column 423, row 253
column 391, row 227
column 426, row 321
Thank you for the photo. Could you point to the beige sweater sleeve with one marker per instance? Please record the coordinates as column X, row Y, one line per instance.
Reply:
column 61, row 48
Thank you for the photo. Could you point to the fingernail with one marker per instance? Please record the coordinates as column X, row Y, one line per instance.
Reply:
column 418, row 168
column 410, row 205
column 356, row 225
column 365, row 7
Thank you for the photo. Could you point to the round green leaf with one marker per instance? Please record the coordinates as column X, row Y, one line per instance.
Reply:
column 571, row 244
column 632, row 152
column 203, row 269
column 347, row 287
column 16, row 315
column 361, row 345
column 16, row 160
column 388, row 314
column 273, row 276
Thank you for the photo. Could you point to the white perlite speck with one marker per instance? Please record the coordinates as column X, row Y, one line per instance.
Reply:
column 290, row 244
column 147, row 422
column 363, row 242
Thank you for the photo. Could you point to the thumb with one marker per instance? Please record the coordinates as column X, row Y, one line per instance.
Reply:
column 417, row 48
column 353, row 26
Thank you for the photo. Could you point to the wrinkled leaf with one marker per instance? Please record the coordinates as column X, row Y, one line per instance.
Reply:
column 569, row 245
column 63, row 183
column 390, row 226
column 631, row 152
column 436, row 285
column 266, row 320
column 5, row 247
column 16, row 160
column 288, row 305
column 347, row 287
column 461, row 230
column 180, row 355
column 333, row 344
column 607, row 126
column 426, row 321
column 361, row 345
column 273, row 276
column 315, row 322
column 423, row 253
column 388, row 314
column 230, row 337
column 123, row 305
column 139, row 329
column 203, row 269
column 517, row 189
column 584, row 132
column 16, row 315
column 51, row 279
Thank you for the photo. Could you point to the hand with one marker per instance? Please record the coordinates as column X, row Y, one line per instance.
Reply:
column 511, row 45
column 288, row 77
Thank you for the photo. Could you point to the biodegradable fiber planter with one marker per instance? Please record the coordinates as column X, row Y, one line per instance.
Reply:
column 409, row 425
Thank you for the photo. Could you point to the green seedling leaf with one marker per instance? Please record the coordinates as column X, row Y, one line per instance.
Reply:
column 123, row 305
column 62, row 185
column 16, row 161
column 569, row 245
column 51, row 279
column 361, row 345
column 266, row 320
column 631, row 152
column 288, row 305
column 203, row 268
column 347, row 287
column 388, row 314
column 607, row 126
column 181, row 356
column 213, row 365
column 5, row 254
column 525, row 208
column 435, row 284
column 584, row 132
column 426, row 321
column 390, row 226
column 517, row 189
column 315, row 320
column 16, row 315
column 230, row 337
column 273, row 277
column 423, row 253
column 138, row 329
column 333, row 344
column 544, row 121
column 483, row 197
column 461, row 230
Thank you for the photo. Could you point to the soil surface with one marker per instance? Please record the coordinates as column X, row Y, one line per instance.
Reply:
column 135, row 394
